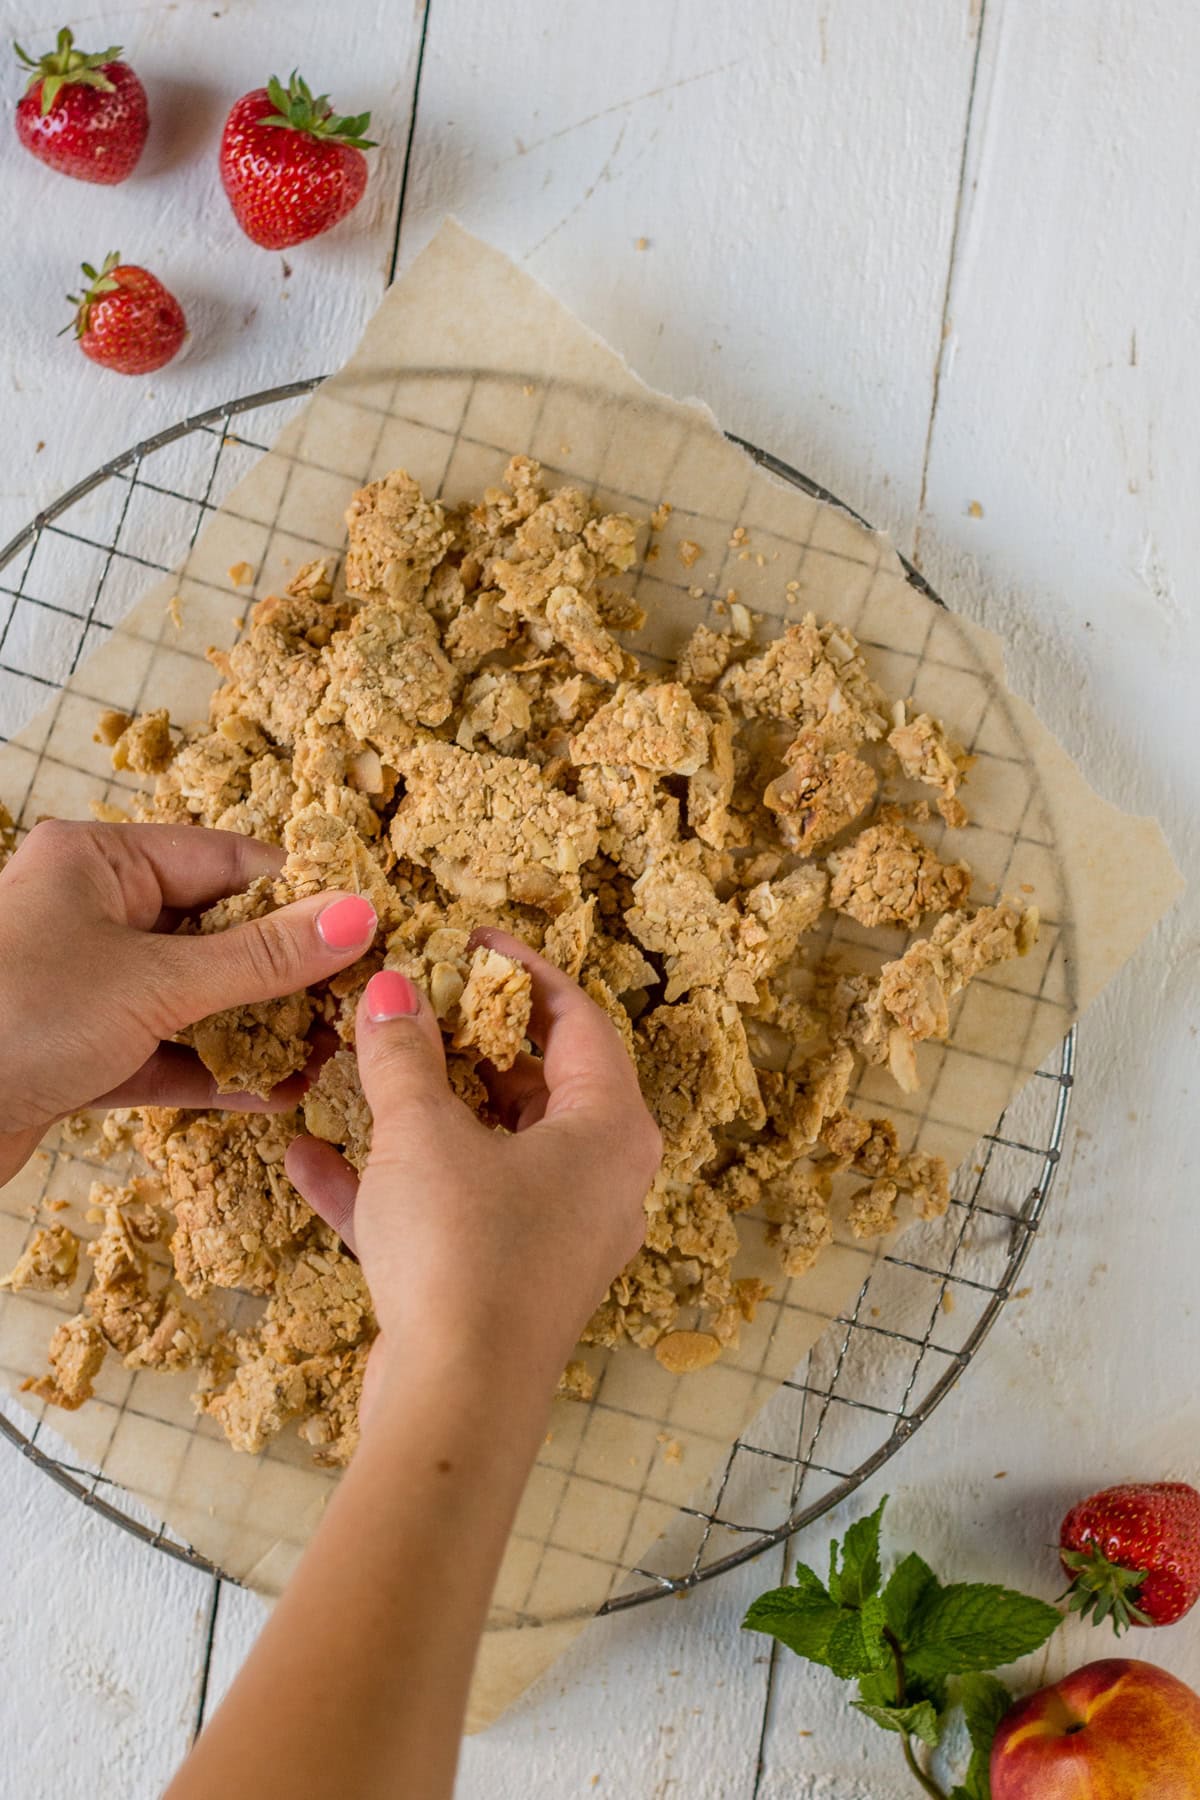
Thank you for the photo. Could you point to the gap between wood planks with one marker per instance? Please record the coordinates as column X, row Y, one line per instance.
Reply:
column 978, row 21
column 210, row 1638
column 418, row 68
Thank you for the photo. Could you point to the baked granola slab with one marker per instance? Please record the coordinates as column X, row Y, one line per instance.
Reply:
column 452, row 726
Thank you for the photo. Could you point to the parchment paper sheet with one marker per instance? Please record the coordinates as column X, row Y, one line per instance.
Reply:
column 466, row 361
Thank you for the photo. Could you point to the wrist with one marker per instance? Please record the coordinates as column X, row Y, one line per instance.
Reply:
column 455, row 1330
column 471, row 1390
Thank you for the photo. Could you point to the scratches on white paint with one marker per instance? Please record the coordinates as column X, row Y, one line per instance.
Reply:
column 1153, row 576
column 623, row 106
column 604, row 173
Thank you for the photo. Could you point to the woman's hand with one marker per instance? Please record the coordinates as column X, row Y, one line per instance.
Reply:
column 485, row 1253
column 476, row 1245
column 93, row 978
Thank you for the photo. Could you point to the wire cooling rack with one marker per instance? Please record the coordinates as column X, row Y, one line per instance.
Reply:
column 923, row 1310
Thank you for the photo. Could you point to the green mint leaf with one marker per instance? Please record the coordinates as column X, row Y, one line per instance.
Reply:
column 802, row 1620
column 879, row 1687
column 856, row 1644
column 859, row 1574
column 975, row 1626
column 809, row 1583
column 918, row 1721
column 984, row 1701
column 910, row 1582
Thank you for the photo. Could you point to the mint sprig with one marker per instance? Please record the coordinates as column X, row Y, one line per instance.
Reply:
column 904, row 1641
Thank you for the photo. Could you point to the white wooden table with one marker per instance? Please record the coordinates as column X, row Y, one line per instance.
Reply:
column 942, row 254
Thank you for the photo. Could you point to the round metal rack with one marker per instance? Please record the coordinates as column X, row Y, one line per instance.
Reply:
column 924, row 1308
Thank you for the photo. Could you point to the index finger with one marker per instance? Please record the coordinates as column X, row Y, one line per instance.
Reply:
column 192, row 865
column 584, row 1059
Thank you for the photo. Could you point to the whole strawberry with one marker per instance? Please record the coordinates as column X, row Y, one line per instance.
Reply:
column 290, row 166
column 83, row 114
column 125, row 319
column 1133, row 1554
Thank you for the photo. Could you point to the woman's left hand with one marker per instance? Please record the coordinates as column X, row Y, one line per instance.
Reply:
column 94, row 978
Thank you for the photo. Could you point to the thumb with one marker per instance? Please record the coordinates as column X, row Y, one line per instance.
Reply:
column 266, row 958
column 401, row 1061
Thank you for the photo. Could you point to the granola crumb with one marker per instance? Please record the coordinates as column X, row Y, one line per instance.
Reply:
column 47, row 1264
column 575, row 1383
column 494, row 1008
column 143, row 745
column 105, row 813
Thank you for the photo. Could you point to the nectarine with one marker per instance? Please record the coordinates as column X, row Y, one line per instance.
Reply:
column 1114, row 1730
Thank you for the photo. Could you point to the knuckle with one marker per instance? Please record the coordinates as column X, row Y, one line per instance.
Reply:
column 273, row 953
column 162, row 978
column 404, row 1065
column 59, row 838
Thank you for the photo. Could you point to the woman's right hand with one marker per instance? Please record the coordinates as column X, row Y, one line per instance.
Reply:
column 477, row 1244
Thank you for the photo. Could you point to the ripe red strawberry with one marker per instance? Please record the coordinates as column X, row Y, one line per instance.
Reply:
column 1133, row 1553
column 85, row 115
column 126, row 319
column 290, row 167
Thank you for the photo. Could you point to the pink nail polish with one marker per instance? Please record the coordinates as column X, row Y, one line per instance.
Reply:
column 391, row 995
column 344, row 924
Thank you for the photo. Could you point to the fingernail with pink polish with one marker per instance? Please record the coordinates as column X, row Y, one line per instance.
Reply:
column 391, row 995
column 345, row 924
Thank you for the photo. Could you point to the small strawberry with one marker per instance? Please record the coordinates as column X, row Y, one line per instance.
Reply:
column 84, row 115
column 1133, row 1554
column 125, row 319
column 290, row 167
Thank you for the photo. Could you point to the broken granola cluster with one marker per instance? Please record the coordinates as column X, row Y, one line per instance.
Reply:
column 454, row 729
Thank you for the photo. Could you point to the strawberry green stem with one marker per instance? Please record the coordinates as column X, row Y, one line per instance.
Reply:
column 298, row 109
column 64, row 66
column 100, row 281
column 1101, row 1589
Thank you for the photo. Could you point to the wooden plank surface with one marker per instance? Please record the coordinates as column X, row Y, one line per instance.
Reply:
column 256, row 317
column 793, row 170
column 935, row 255
column 1055, row 511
